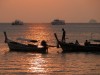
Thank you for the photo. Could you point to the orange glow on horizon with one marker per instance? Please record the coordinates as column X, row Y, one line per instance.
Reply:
column 46, row 10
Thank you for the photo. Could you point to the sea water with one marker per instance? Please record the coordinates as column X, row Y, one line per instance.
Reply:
column 53, row 63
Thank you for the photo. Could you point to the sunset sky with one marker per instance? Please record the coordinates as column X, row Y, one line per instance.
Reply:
column 47, row 10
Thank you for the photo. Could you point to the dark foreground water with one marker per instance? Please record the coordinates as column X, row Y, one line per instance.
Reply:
column 53, row 63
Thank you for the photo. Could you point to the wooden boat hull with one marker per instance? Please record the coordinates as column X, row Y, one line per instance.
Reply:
column 70, row 47
column 25, row 48
column 20, row 47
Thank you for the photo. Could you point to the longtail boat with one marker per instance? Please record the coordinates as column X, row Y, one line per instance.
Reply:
column 20, row 47
column 72, row 47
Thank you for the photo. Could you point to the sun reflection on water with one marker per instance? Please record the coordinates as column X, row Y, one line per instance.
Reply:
column 37, row 32
column 37, row 65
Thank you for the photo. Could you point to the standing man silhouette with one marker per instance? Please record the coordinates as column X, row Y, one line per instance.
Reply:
column 63, row 36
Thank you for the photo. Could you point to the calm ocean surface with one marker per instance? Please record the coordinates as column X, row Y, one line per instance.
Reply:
column 53, row 63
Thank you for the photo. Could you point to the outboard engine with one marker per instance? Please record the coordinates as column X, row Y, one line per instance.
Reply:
column 44, row 43
column 45, row 46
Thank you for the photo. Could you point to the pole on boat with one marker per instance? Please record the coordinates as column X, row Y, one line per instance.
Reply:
column 56, row 37
column 5, row 37
column 57, row 40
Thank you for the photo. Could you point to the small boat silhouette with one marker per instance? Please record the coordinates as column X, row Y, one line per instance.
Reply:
column 58, row 22
column 17, row 22
column 20, row 47
column 72, row 47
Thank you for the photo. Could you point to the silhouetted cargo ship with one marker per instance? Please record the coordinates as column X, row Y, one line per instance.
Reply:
column 17, row 22
column 58, row 22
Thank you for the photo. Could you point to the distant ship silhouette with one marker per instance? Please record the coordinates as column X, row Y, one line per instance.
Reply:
column 17, row 22
column 58, row 22
column 92, row 21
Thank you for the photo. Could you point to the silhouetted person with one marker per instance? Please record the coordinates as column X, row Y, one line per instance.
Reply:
column 63, row 36
column 87, row 43
column 76, row 42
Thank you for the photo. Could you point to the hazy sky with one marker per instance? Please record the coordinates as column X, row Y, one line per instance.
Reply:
column 47, row 10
